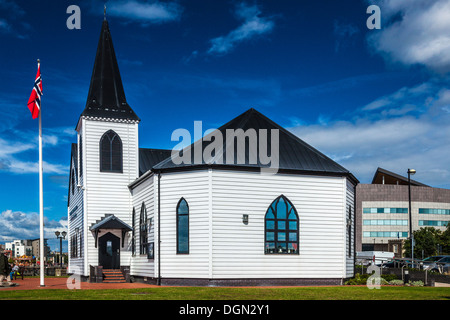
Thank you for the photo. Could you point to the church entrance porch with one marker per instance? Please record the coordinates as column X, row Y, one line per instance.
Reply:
column 109, row 233
column 109, row 251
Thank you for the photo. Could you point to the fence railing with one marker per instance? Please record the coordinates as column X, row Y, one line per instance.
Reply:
column 48, row 270
column 413, row 270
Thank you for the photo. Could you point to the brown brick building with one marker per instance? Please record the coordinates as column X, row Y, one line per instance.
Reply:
column 382, row 211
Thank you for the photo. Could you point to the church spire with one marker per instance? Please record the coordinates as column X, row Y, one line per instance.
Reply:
column 106, row 98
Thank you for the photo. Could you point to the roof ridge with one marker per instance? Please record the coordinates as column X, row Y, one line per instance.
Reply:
column 300, row 140
column 246, row 116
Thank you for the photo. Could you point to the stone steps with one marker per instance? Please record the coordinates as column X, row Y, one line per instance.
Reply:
column 113, row 276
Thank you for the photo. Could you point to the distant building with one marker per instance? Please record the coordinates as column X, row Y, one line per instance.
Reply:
column 36, row 248
column 19, row 248
column 382, row 207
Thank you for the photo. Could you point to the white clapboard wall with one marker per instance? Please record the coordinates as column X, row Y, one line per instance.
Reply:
column 105, row 192
column 221, row 246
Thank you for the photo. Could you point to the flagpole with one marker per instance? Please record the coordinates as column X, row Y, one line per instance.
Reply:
column 41, row 199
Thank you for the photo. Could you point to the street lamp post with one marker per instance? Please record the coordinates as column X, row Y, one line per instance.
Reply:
column 63, row 236
column 411, row 236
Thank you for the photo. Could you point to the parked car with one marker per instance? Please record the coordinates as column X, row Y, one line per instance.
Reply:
column 390, row 264
column 437, row 263
column 396, row 263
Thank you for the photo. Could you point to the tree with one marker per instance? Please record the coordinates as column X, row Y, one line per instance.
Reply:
column 444, row 241
column 426, row 241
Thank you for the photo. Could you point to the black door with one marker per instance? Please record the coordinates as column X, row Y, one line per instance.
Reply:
column 109, row 251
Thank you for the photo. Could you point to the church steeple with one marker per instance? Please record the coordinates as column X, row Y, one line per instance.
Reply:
column 106, row 98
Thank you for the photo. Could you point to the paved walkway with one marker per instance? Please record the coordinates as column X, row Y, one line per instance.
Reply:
column 61, row 283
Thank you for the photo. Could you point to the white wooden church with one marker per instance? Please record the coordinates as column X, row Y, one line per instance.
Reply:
column 157, row 221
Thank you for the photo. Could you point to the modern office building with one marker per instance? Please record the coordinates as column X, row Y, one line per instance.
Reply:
column 26, row 248
column 19, row 248
column 382, row 211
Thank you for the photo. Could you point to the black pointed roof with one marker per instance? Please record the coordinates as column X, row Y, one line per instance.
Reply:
column 295, row 155
column 150, row 157
column 106, row 98
column 110, row 221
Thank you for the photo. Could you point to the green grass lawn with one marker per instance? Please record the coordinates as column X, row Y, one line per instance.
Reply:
column 217, row 293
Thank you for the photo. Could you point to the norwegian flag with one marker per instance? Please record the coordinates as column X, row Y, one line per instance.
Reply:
column 34, row 103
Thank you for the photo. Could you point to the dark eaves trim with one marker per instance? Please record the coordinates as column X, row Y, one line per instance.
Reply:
column 348, row 175
column 141, row 179
column 105, row 119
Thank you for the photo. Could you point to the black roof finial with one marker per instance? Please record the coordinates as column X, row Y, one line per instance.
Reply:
column 104, row 12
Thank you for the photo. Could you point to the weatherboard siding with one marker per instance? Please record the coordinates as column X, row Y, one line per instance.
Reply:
column 221, row 246
column 238, row 249
column 193, row 187
column 350, row 237
column 75, row 220
column 143, row 193
column 108, row 193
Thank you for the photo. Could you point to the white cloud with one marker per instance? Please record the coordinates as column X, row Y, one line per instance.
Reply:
column 253, row 25
column 406, row 97
column 144, row 11
column 408, row 128
column 385, row 137
column 13, row 148
column 18, row 166
column 20, row 225
column 4, row 25
column 10, row 161
column 414, row 32
column 13, row 23
column 50, row 140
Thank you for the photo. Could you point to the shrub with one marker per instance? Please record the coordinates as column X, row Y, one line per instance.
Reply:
column 389, row 277
column 361, row 279
column 396, row 282
column 415, row 283
column 358, row 279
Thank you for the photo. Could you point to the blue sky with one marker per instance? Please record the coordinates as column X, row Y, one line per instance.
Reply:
column 367, row 98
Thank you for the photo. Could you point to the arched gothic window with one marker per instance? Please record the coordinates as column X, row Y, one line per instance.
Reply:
column 182, row 226
column 111, row 152
column 143, row 231
column 281, row 227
